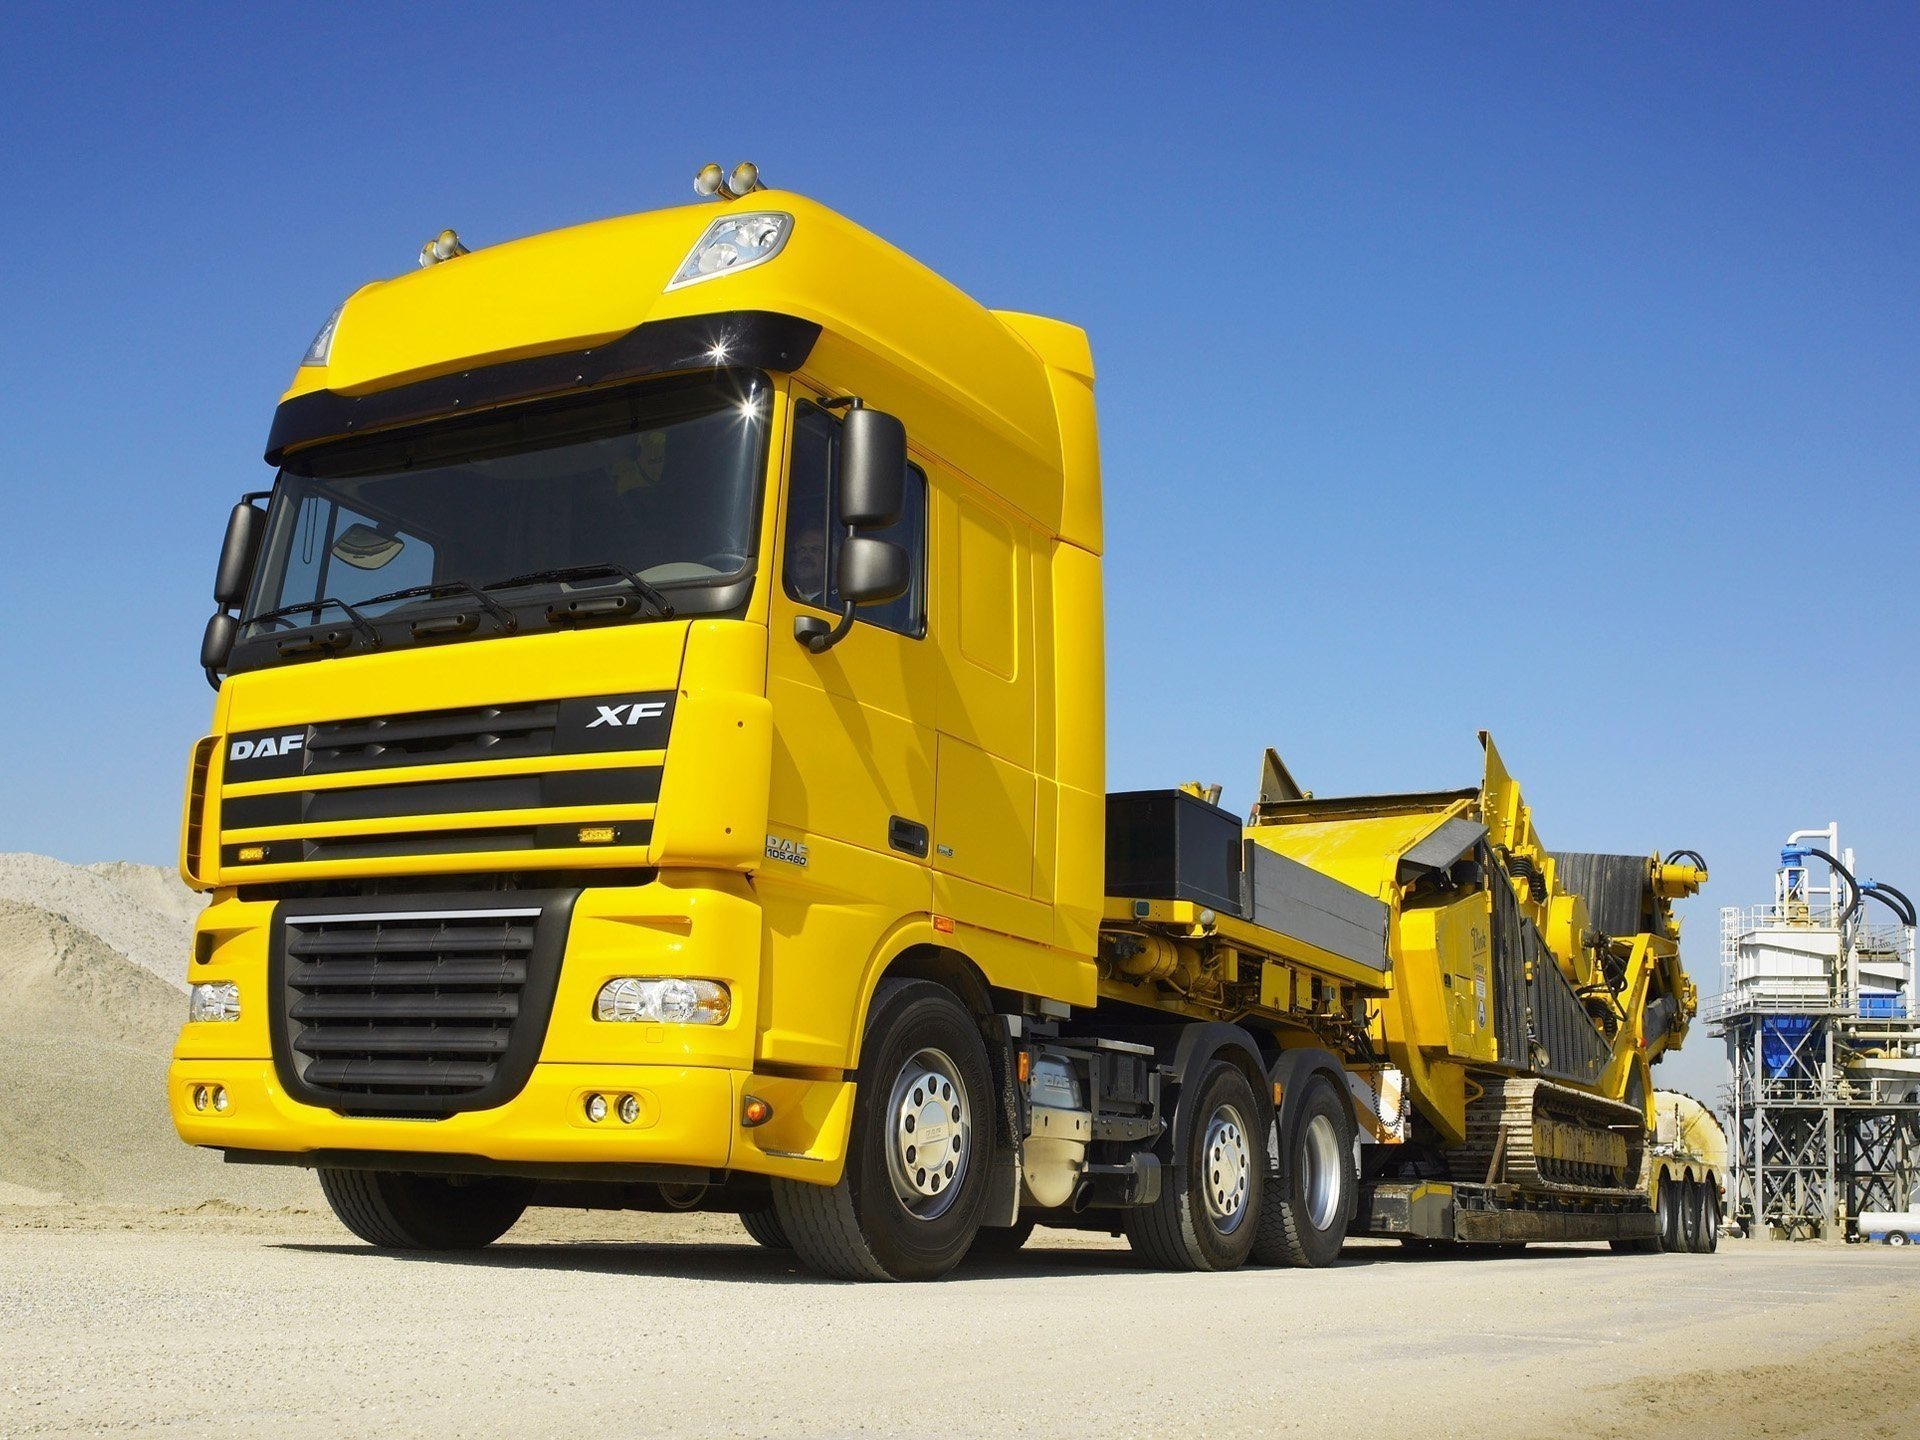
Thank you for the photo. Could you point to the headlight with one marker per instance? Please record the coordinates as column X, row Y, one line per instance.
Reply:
column 733, row 243
column 218, row 1001
column 677, row 1002
column 322, row 345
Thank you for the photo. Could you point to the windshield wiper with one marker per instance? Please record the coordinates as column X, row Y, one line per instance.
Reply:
column 502, row 616
column 332, row 640
column 641, row 587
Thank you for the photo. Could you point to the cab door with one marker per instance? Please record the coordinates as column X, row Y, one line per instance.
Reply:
column 854, row 726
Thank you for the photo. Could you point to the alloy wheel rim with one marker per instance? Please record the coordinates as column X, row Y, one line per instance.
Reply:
column 1227, row 1165
column 929, row 1134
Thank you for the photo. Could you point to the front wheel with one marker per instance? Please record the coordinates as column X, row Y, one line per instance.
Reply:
column 1307, row 1222
column 1205, row 1218
column 424, row 1212
column 920, row 1156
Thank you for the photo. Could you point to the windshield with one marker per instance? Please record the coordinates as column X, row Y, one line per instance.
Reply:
column 652, row 493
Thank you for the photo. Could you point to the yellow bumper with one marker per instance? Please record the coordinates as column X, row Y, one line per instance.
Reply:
column 689, row 1116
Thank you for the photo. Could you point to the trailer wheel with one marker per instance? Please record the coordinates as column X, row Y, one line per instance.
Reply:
column 424, row 1212
column 1896, row 1237
column 1708, row 1232
column 1209, row 1207
column 1669, row 1204
column 764, row 1226
column 909, row 1202
column 1690, row 1216
column 1305, row 1221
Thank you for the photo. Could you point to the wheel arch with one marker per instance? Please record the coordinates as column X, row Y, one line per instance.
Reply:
column 1196, row 1048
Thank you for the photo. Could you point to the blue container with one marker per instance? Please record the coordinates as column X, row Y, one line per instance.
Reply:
column 1778, row 1037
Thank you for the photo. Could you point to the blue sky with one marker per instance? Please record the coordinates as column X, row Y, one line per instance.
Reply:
column 1553, row 369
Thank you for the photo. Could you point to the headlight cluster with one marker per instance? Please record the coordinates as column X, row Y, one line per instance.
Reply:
column 675, row 1001
column 733, row 243
column 219, row 1000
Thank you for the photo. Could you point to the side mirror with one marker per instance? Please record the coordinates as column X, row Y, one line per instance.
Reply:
column 216, row 644
column 873, row 469
column 246, row 526
column 872, row 571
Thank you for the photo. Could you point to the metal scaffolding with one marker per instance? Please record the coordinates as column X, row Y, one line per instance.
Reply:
column 1817, row 1010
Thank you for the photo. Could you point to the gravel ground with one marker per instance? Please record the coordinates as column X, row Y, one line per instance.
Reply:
column 217, row 1320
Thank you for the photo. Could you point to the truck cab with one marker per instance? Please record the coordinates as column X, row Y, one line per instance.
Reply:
column 651, row 641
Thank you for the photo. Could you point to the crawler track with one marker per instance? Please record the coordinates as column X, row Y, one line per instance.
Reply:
column 1548, row 1139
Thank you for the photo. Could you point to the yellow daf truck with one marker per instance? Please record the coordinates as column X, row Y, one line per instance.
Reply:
column 659, row 762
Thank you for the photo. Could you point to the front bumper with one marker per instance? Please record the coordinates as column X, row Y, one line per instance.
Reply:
column 689, row 1117
column 689, row 1080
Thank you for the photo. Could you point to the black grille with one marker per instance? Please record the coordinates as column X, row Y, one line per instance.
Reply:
column 435, row 737
column 423, row 1006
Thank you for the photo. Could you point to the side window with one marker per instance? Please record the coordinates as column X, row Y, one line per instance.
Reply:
column 815, row 530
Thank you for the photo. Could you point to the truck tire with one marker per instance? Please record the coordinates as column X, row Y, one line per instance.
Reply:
column 424, row 1212
column 1690, row 1216
column 1304, row 1222
column 906, row 1208
column 1896, row 1237
column 1708, row 1232
column 1209, row 1207
column 764, row 1226
column 1667, row 1206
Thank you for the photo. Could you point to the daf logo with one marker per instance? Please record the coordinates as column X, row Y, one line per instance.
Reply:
column 787, row 852
column 631, row 714
column 266, row 749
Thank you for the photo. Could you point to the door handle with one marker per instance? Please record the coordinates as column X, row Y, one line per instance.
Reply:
column 907, row 836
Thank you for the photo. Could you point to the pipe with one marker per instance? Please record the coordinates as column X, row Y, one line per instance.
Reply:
column 1886, row 889
column 1892, row 899
column 1846, row 875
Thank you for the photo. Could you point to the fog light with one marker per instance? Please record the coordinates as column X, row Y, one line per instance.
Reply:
column 217, row 1001
column 675, row 1001
column 220, row 1098
column 629, row 1109
column 200, row 1097
column 596, row 1108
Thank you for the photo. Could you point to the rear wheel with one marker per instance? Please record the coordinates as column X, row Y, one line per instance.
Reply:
column 918, row 1161
column 1207, row 1213
column 1305, row 1220
column 764, row 1226
column 425, row 1212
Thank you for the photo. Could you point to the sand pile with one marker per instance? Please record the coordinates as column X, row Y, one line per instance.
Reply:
column 85, row 1032
column 144, row 912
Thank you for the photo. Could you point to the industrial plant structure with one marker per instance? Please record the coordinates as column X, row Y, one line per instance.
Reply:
column 1817, row 1007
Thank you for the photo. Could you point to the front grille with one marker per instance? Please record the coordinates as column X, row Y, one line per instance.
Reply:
column 433, row 737
column 425, row 1006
